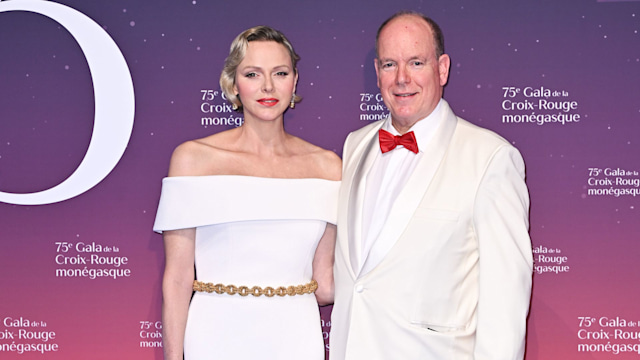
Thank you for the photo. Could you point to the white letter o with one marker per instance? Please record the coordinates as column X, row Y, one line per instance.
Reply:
column 114, row 102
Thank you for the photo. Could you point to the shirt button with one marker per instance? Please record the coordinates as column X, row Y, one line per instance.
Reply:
column 359, row 288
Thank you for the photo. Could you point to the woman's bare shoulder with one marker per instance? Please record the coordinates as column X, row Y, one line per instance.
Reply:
column 331, row 164
column 196, row 157
column 326, row 162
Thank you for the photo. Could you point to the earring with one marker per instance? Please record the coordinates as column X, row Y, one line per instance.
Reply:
column 234, row 106
column 293, row 101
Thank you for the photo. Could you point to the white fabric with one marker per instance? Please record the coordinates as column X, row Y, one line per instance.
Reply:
column 199, row 200
column 456, row 282
column 254, row 232
column 387, row 177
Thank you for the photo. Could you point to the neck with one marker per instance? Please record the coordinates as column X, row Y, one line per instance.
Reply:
column 263, row 137
column 404, row 125
column 401, row 127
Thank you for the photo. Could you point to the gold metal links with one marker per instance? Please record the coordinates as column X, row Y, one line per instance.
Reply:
column 256, row 291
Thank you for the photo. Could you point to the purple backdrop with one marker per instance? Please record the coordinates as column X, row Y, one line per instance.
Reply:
column 558, row 79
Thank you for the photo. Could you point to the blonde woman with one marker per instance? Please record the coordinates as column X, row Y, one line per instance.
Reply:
column 247, row 219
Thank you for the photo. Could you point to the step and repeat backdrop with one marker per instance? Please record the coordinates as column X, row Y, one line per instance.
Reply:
column 94, row 96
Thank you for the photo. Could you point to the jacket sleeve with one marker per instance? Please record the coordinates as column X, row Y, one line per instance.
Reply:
column 501, row 223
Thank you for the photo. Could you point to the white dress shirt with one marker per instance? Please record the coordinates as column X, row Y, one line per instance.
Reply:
column 387, row 177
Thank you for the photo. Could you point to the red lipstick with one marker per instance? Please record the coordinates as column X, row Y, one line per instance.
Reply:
column 268, row 101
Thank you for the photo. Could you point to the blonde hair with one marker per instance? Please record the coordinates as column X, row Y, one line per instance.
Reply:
column 239, row 49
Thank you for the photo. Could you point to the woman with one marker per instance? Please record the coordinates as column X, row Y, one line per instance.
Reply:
column 251, row 208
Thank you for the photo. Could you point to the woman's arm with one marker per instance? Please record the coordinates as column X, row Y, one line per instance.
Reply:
column 331, row 168
column 177, row 288
column 323, row 266
column 188, row 159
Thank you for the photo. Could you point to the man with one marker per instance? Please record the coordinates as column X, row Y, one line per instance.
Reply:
column 433, row 259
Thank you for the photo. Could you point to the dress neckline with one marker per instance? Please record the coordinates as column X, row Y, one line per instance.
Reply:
column 245, row 177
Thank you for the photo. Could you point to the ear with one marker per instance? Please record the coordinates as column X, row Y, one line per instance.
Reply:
column 375, row 64
column 444, row 64
column 295, row 82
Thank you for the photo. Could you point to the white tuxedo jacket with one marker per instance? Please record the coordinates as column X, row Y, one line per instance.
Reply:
column 454, row 281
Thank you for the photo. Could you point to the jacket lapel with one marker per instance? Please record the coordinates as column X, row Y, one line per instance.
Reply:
column 354, row 178
column 413, row 192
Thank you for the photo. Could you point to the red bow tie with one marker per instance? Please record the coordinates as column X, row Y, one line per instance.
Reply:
column 388, row 141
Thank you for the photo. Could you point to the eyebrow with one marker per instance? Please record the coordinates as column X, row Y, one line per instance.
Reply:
column 254, row 67
column 415, row 57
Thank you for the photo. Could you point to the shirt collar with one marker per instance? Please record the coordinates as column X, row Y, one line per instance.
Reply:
column 424, row 129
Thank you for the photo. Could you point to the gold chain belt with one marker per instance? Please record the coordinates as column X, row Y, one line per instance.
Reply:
column 309, row 288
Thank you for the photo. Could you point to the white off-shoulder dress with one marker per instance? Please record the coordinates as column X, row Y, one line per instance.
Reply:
column 251, row 231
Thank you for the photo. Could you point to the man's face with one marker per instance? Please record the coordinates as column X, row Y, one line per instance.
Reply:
column 410, row 77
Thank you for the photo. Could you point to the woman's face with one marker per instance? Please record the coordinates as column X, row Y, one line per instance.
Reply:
column 265, row 81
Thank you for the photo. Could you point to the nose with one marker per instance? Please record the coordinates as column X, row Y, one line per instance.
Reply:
column 402, row 75
column 267, row 86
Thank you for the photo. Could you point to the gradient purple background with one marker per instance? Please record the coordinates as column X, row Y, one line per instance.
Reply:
column 176, row 48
